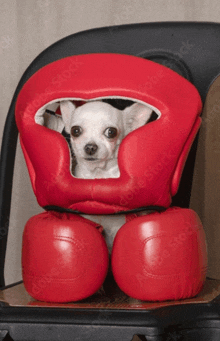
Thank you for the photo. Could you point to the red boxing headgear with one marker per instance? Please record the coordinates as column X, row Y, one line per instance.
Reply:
column 150, row 159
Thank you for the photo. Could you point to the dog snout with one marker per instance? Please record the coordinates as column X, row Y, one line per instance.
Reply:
column 90, row 148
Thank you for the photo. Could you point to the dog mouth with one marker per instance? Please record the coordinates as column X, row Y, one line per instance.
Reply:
column 91, row 159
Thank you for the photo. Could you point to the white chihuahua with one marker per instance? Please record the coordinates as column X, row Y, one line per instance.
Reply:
column 96, row 130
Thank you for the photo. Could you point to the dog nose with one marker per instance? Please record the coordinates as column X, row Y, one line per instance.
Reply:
column 91, row 148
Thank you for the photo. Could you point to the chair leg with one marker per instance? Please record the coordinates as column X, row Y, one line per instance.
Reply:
column 4, row 336
column 142, row 337
column 139, row 338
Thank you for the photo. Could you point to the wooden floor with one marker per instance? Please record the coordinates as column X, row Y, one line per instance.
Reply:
column 110, row 297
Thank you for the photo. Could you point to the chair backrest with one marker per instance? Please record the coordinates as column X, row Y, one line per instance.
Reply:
column 191, row 49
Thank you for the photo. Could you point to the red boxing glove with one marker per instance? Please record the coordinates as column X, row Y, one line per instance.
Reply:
column 64, row 259
column 161, row 256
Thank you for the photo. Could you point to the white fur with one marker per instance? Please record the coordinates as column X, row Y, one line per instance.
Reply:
column 94, row 118
column 110, row 223
column 54, row 122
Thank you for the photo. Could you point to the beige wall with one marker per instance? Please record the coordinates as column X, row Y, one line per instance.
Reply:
column 29, row 26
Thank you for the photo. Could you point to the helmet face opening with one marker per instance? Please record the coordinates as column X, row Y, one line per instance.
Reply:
column 94, row 130
column 101, row 108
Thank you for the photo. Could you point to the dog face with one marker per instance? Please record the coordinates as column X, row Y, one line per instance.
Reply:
column 97, row 129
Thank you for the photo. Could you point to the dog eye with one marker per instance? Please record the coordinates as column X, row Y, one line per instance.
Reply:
column 76, row 131
column 111, row 132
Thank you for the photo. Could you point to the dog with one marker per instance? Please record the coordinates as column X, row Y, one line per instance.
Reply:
column 97, row 129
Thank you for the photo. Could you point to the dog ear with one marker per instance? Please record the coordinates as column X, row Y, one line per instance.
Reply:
column 67, row 109
column 136, row 116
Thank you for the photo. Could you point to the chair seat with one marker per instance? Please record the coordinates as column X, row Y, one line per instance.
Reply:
column 110, row 297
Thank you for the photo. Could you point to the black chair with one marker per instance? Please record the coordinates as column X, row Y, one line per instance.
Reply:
column 185, row 47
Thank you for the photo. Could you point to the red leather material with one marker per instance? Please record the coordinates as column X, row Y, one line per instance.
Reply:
column 65, row 257
column 182, row 159
column 161, row 256
column 147, row 157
